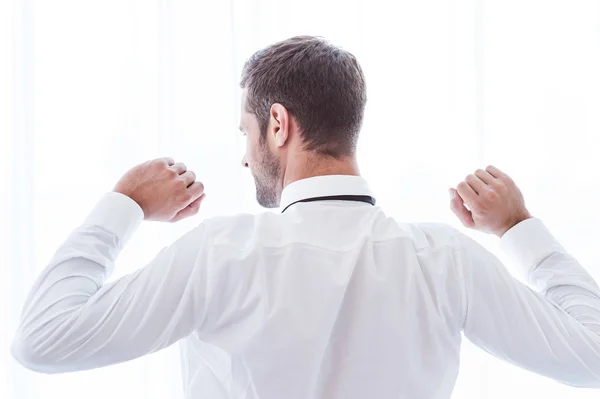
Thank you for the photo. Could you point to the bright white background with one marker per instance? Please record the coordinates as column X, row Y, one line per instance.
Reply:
column 89, row 89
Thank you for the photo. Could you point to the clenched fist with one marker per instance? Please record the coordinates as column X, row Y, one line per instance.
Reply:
column 166, row 191
column 495, row 203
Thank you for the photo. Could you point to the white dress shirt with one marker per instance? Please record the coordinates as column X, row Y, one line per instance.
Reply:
column 328, row 300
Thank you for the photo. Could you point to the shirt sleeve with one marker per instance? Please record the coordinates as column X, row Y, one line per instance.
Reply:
column 73, row 321
column 552, row 329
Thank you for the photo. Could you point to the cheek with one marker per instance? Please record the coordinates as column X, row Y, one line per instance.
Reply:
column 251, row 152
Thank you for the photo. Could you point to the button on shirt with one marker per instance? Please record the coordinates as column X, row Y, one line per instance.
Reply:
column 328, row 300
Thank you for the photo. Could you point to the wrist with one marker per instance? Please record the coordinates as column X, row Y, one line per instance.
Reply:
column 118, row 214
column 521, row 217
column 129, row 195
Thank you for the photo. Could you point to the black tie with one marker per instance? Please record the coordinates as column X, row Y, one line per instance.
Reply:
column 359, row 198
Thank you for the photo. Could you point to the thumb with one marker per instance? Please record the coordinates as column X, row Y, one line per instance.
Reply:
column 458, row 207
column 189, row 210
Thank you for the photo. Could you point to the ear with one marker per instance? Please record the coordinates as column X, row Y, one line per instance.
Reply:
column 280, row 124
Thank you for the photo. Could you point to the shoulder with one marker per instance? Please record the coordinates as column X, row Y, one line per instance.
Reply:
column 435, row 236
column 240, row 229
column 422, row 237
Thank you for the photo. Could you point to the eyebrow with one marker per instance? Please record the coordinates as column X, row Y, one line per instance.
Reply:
column 241, row 129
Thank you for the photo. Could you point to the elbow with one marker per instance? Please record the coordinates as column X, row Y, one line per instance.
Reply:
column 588, row 383
column 32, row 357
column 589, row 380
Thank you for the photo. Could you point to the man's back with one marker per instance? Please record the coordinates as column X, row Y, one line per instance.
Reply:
column 333, row 300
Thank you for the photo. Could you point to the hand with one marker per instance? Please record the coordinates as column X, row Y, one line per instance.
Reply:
column 495, row 203
column 166, row 191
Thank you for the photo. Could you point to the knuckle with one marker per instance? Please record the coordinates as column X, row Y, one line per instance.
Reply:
column 501, row 188
column 185, row 197
column 152, row 165
column 491, row 195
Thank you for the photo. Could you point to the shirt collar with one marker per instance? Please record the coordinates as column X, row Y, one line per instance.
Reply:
column 323, row 186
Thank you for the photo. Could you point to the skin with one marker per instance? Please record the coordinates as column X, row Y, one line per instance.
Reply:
column 278, row 157
column 487, row 200
column 166, row 191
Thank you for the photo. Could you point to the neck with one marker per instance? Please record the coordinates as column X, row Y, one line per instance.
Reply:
column 304, row 167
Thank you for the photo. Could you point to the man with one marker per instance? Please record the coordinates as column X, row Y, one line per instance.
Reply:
column 330, row 298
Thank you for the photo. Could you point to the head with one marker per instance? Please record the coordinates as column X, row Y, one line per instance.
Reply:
column 302, row 99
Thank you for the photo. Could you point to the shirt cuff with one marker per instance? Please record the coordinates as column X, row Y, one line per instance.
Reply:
column 118, row 214
column 528, row 243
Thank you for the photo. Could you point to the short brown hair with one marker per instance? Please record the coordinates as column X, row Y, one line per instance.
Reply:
column 321, row 85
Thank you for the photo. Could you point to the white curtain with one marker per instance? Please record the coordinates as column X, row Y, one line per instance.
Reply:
column 89, row 89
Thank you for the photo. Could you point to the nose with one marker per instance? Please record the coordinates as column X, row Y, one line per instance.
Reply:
column 244, row 163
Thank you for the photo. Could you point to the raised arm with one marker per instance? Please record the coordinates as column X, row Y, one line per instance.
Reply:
column 552, row 329
column 73, row 321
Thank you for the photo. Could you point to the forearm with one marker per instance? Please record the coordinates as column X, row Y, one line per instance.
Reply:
column 554, row 272
column 54, row 307
column 72, row 320
column 553, row 332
